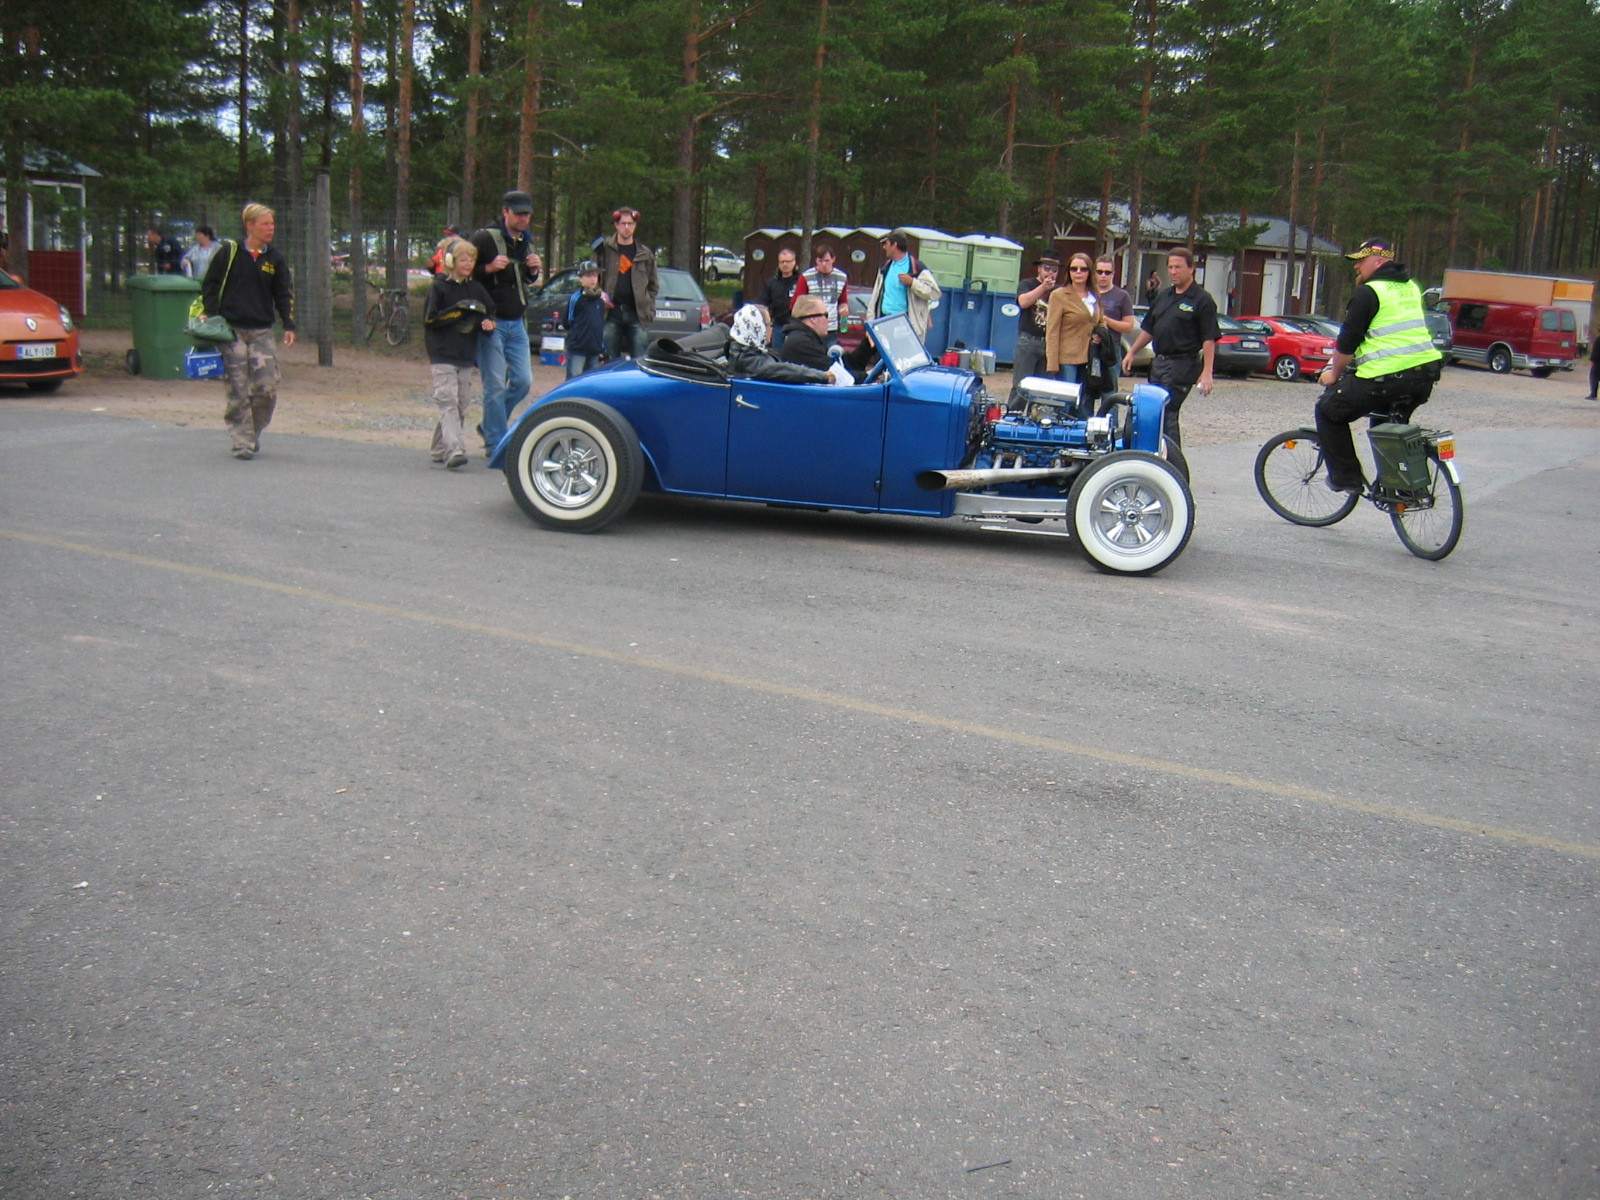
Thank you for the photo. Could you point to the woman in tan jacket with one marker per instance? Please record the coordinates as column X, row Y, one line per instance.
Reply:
column 1074, row 314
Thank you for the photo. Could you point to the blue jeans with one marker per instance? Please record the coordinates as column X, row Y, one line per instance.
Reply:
column 577, row 364
column 624, row 334
column 503, row 362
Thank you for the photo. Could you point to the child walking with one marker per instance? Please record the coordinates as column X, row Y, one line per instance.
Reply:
column 458, row 308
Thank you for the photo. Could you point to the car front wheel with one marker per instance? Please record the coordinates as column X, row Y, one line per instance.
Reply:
column 575, row 465
column 1130, row 513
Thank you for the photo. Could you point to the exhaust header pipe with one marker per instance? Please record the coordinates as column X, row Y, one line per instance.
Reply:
column 960, row 481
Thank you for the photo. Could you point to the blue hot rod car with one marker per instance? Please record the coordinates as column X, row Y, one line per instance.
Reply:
column 915, row 439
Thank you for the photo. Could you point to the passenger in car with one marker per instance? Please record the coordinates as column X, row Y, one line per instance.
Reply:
column 804, row 336
column 749, row 357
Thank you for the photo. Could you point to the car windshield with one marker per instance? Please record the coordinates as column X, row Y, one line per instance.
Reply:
column 7, row 281
column 680, row 285
column 899, row 343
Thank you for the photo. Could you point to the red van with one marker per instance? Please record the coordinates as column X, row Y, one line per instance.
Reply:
column 1504, row 336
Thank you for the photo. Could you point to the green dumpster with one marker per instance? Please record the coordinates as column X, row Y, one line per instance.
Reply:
column 160, row 311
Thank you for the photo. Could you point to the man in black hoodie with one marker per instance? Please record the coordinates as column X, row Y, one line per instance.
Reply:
column 249, row 286
column 805, row 335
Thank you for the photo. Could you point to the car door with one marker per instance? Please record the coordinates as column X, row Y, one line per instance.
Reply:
column 806, row 443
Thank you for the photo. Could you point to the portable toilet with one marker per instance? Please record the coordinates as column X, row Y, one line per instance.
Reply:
column 995, row 271
column 862, row 255
column 760, row 257
column 946, row 256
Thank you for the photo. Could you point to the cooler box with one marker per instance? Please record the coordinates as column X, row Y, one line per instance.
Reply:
column 553, row 350
column 203, row 364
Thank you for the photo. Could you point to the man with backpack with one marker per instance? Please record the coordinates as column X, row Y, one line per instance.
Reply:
column 507, row 268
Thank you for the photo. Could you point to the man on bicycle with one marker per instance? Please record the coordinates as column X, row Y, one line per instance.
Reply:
column 1385, row 339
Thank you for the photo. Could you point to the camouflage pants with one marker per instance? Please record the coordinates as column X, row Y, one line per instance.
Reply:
column 452, row 392
column 250, row 365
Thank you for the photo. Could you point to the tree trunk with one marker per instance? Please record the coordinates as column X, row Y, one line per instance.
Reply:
column 683, row 187
column 401, row 259
column 1008, row 155
column 291, row 116
column 532, row 80
column 1463, row 144
column 469, row 165
column 808, row 214
column 244, row 102
column 358, row 145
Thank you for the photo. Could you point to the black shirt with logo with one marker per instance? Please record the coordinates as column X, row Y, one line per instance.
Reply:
column 1179, row 323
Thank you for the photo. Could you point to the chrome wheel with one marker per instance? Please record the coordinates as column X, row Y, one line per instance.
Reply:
column 574, row 465
column 567, row 469
column 1130, row 513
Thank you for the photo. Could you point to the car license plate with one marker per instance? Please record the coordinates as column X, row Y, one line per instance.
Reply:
column 668, row 314
column 37, row 350
column 1250, row 344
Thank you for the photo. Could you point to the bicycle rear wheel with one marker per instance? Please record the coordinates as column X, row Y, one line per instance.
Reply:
column 374, row 319
column 1292, row 479
column 1432, row 532
column 399, row 327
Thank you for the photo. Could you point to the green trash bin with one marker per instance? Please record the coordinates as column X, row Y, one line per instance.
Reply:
column 160, row 311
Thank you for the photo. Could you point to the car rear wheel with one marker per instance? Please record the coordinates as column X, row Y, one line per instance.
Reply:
column 575, row 465
column 1130, row 513
column 1287, row 368
column 1541, row 372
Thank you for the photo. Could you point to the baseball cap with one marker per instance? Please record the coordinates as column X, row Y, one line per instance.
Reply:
column 517, row 202
column 1382, row 247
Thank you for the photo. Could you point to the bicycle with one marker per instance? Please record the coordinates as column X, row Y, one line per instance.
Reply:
column 1416, row 482
column 392, row 314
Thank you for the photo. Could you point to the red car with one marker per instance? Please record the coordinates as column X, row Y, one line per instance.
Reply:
column 1296, row 346
column 38, row 341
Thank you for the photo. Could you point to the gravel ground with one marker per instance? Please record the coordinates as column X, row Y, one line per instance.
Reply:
column 381, row 395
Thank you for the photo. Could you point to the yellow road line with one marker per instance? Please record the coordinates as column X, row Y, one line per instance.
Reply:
column 1268, row 787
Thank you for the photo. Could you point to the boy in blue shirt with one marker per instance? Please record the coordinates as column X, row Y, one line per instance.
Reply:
column 586, row 321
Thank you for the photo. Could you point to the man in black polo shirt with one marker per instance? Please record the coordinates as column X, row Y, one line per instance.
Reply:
column 1183, row 325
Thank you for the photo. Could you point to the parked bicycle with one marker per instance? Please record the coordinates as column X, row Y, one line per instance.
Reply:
column 1415, row 482
column 392, row 314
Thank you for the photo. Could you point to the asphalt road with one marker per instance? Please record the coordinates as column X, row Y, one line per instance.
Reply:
column 362, row 840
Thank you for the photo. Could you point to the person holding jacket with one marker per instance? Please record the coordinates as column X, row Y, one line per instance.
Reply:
column 249, row 286
column 1073, row 319
column 903, row 284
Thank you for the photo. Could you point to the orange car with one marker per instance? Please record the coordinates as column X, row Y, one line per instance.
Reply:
column 38, row 341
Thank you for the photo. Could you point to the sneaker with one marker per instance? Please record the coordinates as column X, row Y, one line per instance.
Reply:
column 244, row 452
column 458, row 459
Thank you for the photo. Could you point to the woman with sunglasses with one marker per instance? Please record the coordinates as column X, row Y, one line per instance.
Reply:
column 1074, row 316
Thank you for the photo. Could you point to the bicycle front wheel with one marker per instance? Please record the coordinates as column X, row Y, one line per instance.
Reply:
column 1292, row 478
column 399, row 328
column 1432, row 532
column 374, row 319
